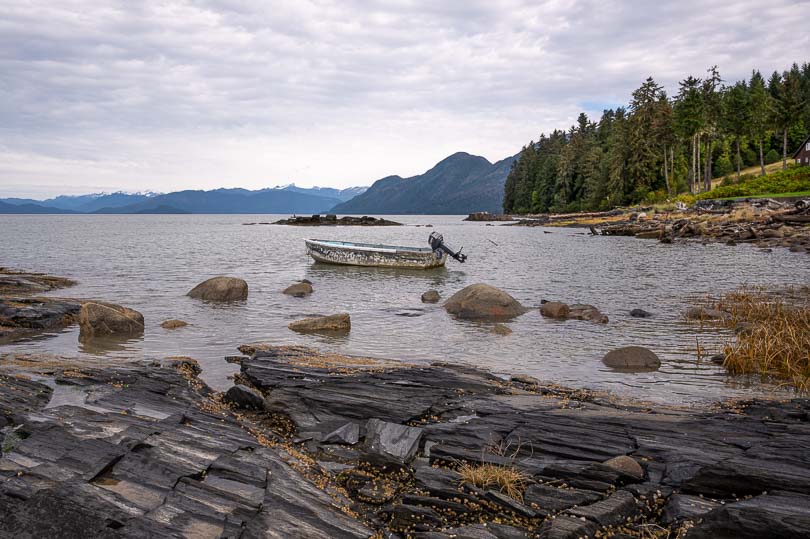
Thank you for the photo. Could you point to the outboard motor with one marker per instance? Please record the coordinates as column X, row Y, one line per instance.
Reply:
column 436, row 241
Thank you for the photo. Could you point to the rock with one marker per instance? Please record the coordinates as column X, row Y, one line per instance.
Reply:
column 20, row 317
column 173, row 324
column 483, row 302
column 632, row 358
column 553, row 499
column 377, row 491
column 500, row 329
column 718, row 359
column 348, row 434
column 567, row 527
column 413, row 517
column 778, row 515
column 221, row 289
column 299, row 290
column 744, row 328
column 681, row 507
column 305, row 281
column 431, row 296
column 332, row 323
column 332, row 220
column 610, row 512
column 555, row 309
column 98, row 319
column 626, row 465
column 392, row 441
column 704, row 313
column 640, row 313
column 16, row 283
column 244, row 397
column 525, row 379
column 587, row 312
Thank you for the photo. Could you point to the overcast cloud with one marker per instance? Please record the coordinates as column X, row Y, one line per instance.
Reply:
column 104, row 95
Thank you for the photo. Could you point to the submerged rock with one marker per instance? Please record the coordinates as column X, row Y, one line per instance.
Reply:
column 98, row 319
column 704, row 313
column 500, row 329
column 431, row 296
column 299, row 290
column 173, row 324
column 640, row 313
column 336, row 322
column 632, row 358
column 221, row 289
column 483, row 302
column 555, row 309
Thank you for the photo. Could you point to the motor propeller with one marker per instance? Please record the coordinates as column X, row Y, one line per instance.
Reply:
column 436, row 241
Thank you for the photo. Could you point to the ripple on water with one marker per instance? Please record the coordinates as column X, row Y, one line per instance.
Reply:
column 149, row 262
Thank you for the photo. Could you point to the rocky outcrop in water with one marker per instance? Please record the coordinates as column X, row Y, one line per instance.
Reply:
column 299, row 290
column 431, row 296
column 578, row 311
column 486, row 216
column 332, row 220
column 632, row 359
column 221, row 289
column 483, row 302
column 173, row 323
column 20, row 283
column 22, row 315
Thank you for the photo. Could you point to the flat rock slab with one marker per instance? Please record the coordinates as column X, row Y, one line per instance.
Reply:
column 15, row 283
column 391, row 440
column 21, row 317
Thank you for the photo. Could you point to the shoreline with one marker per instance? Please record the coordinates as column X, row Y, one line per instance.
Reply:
column 341, row 446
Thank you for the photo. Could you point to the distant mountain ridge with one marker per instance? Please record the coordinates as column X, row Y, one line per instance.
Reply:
column 287, row 199
column 459, row 184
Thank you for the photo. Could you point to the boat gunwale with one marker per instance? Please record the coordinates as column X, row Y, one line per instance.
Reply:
column 369, row 247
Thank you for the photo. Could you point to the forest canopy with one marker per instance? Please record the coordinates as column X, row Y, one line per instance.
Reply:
column 659, row 146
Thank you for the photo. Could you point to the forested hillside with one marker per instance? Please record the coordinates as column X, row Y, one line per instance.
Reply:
column 659, row 146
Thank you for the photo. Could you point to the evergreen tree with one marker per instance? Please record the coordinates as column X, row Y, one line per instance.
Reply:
column 760, row 101
column 737, row 117
column 689, row 121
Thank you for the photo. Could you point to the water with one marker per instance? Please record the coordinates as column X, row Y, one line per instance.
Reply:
column 149, row 262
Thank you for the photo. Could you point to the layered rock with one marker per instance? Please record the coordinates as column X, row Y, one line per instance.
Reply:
column 333, row 323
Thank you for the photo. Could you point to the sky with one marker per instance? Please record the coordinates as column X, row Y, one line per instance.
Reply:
column 103, row 95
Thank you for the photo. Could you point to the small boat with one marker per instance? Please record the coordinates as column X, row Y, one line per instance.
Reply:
column 386, row 256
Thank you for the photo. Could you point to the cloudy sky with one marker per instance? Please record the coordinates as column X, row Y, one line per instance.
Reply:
column 103, row 95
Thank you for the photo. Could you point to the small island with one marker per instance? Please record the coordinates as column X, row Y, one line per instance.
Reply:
column 332, row 220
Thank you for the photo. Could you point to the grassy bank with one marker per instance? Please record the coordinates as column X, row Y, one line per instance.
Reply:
column 794, row 181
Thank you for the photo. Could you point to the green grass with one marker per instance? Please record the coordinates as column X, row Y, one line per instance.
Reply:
column 775, row 195
column 794, row 181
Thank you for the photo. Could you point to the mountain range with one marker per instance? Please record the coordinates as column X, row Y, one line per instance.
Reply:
column 287, row 199
column 459, row 184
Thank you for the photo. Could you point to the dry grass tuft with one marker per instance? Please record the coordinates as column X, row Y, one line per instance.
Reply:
column 507, row 479
column 773, row 333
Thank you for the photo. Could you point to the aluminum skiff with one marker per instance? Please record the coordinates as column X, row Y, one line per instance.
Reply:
column 371, row 254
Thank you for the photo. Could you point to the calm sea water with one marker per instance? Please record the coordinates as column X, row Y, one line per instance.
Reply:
column 150, row 262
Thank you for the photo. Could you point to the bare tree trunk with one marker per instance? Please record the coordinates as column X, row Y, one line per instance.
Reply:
column 784, row 150
column 666, row 172
column 738, row 160
column 707, row 177
column 692, row 166
column 672, row 162
column 761, row 158
column 698, row 168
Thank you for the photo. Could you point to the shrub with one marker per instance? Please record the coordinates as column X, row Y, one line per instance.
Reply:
column 792, row 180
column 772, row 156
column 506, row 479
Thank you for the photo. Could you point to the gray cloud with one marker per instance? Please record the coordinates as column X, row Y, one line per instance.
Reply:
column 170, row 95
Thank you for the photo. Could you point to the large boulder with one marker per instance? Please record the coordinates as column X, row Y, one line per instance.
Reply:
column 633, row 359
column 220, row 289
column 98, row 319
column 483, row 302
column 336, row 322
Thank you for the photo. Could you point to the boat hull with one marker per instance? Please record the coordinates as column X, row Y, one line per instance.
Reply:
column 370, row 255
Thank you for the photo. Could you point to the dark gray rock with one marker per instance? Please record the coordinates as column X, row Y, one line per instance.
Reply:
column 640, row 313
column 392, row 441
column 431, row 296
column 299, row 290
column 21, row 317
column 549, row 499
column 681, row 507
column 614, row 510
column 567, row 527
column 244, row 397
column 347, row 434
column 777, row 515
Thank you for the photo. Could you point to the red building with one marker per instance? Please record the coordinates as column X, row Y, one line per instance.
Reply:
column 802, row 155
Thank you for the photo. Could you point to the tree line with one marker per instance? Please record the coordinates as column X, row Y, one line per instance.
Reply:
column 658, row 147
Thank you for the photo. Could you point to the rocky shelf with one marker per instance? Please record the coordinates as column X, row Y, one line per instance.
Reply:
column 310, row 444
